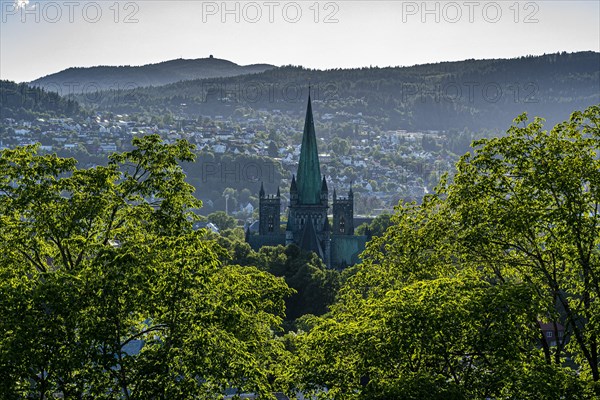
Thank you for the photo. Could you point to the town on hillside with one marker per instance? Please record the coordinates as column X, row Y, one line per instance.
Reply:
column 383, row 166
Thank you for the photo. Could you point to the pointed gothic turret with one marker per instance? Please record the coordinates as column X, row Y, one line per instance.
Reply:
column 261, row 193
column 293, row 186
column 309, row 170
column 293, row 191
column 324, row 192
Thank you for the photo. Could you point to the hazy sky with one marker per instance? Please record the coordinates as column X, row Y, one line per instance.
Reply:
column 42, row 37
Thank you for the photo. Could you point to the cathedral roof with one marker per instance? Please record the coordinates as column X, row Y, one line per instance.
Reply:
column 309, row 170
column 310, row 242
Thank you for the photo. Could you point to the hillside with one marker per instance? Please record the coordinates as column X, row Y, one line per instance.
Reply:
column 127, row 77
column 470, row 94
column 21, row 101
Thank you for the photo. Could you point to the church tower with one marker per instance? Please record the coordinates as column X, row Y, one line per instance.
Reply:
column 343, row 214
column 269, row 211
column 308, row 226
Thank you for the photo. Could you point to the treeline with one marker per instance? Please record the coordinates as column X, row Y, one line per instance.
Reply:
column 21, row 101
column 472, row 94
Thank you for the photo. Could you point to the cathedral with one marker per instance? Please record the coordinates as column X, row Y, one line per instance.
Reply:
column 308, row 225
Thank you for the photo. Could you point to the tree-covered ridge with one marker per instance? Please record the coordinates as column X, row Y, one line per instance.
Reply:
column 21, row 101
column 129, row 77
column 473, row 94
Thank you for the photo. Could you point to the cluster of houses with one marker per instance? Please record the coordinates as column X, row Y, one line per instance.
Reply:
column 251, row 134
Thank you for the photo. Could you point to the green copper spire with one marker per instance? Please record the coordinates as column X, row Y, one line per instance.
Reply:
column 309, row 170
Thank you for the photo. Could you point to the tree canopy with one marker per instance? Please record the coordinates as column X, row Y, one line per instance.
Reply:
column 489, row 288
column 107, row 292
column 450, row 302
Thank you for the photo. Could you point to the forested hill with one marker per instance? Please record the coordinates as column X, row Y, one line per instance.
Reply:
column 128, row 77
column 21, row 101
column 473, row 94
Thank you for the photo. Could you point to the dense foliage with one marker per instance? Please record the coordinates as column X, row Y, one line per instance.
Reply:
column 377, row 227
column 106, row 291
column 489, row 289
column 449, row 303
column 315, row 286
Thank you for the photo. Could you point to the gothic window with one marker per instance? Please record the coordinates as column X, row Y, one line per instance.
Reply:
column 270, row 223
column 342, row 224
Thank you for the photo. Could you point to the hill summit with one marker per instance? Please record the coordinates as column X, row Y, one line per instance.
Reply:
column 130, row 77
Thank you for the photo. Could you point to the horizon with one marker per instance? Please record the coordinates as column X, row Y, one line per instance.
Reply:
column 318, row 35
column 303, row 66
column 211, row 56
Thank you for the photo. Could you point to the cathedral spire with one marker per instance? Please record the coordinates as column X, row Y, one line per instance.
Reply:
column 309, row 170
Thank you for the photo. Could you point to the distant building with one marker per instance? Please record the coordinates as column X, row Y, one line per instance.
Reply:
column 307, row 223
column 552, row 334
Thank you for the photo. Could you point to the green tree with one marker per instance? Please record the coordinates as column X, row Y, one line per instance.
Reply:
column 529, row 210
column 448, row 301
column 222, row 220
column 339, row 146
column 314, row 284
column 107, row 292
column 376, row 227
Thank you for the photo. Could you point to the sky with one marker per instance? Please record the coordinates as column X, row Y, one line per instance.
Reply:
column 40, row 37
